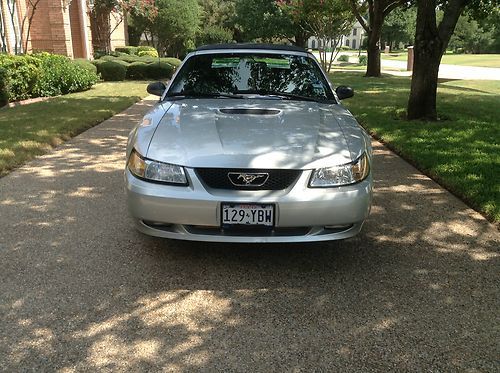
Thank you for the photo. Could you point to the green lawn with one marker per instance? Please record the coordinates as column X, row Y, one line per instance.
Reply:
column 482, row 60
column 31, row 130
column 462, row 151
column 357, row 66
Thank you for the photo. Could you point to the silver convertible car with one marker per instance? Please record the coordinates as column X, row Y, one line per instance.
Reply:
column 249, row 143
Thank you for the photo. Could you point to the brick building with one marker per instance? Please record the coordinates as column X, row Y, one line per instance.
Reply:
column 58, row 26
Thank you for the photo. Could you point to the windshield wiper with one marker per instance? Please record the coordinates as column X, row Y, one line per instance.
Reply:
column 182, row 95
column 282, row 95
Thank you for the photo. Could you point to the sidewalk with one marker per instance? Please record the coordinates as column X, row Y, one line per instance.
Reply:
column 449, row 71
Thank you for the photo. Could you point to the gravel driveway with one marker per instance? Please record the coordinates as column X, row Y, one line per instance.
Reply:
column 80, row 289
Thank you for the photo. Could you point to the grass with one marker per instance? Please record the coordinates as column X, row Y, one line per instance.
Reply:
column 358, row 66
column 461, row 151
column 481, row 60
column 30, row 130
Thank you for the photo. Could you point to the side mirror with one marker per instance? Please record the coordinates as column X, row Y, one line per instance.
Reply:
column 156, row 88
column 343, row 92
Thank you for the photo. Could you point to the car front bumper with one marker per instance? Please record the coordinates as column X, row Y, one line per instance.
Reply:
column 302, row 214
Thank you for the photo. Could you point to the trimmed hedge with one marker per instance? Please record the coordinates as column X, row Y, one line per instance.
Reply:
column 112, row 71
column 135, row 51
column 363, row 60
column 343, row 58
column 4, row 87
column 148, row 53
column 137, row 71
column 159, row 70
column 145, row 67
column 86, row 64
column 175, row 62
column 128, row 50
column 143, row 48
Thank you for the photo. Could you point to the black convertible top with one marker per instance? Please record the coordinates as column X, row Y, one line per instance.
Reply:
column 278, row 47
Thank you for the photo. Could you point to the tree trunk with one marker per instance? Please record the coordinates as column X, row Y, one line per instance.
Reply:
column 430, row 43
column 301, row 39
column 373, row 51
column 101, row 29
column 422, row 101
column 373, row 48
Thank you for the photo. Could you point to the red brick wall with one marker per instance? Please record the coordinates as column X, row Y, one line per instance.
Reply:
column 76, row 30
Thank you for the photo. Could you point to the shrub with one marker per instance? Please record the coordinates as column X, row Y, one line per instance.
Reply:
column 112, row 71
column 148, row 53
column 99, row 53
column 343, row 58
column 97, row 62
column 159, row 70
column 130, row 59
column 59, row 75
column 363, row 60
column 128, row 50
column 108, row 57
column 137, row 70
column 146, row 48
column 86, row 64
column 175, row 62
column 4, row 87
column 22, row 75
column 45, row 74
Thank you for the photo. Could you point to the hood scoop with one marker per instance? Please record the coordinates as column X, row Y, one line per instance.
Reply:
column 250, row 111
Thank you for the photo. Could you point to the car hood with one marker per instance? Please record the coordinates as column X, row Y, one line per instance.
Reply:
column 250, row 133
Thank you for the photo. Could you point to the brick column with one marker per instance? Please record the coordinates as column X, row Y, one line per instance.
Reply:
column 60, row 28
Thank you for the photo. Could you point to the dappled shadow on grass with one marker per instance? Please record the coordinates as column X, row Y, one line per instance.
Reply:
column 81, row 289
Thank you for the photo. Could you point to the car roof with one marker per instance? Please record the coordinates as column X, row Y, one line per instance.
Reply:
column 252, row 46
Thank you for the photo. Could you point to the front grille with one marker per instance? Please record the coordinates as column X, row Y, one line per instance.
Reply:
column 217, row 178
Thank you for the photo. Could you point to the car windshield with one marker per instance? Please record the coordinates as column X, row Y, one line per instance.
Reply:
column 237, row 75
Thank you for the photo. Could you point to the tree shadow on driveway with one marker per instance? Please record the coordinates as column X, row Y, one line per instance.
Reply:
column 80, row 289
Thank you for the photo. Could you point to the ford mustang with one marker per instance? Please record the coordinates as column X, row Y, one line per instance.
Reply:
column 249, row 143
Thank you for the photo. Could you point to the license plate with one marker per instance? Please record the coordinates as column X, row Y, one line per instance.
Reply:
column 251, row 214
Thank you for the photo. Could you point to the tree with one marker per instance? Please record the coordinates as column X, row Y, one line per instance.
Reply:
column 217, row 20
column 399, row 27
column 327, row 20
column 377, row 11
column 213, row 35
column 218, row 13
column 3, row 36
column 431, row 40
column 27, row 21
column 102, row 10
column 173, row 34
column 470, row 37
column 12, row 12
column 266, row 21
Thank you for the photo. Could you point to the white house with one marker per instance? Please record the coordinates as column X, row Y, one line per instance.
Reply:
column 353, row 40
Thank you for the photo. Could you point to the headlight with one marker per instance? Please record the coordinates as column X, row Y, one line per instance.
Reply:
column 156, row 171
column 346, row 174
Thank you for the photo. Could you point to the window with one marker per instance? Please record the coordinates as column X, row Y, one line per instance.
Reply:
column 346, row 42
column 313, row 44
column 354, row 30
column 251, row 73
column 354, row 44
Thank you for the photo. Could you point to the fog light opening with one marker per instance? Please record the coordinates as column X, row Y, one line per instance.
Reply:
column 156, row 224
column 338, row 227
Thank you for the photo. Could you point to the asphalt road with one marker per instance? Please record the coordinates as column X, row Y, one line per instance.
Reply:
column 81, row 290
